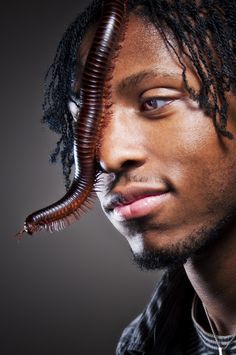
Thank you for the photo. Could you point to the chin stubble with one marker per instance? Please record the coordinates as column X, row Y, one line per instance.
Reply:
column 195, row 244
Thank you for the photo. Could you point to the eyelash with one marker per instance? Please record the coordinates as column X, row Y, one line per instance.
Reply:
column 77, row 100
column 162, row 100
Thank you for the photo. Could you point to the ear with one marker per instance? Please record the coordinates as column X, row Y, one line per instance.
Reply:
column 231, row 99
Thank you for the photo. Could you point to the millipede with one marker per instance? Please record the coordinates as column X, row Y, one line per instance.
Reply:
column 94, row 109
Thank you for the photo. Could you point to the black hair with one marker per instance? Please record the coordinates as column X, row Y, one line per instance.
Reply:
column 204, row 30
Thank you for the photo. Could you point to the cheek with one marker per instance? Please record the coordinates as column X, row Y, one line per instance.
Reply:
column 200, row 164
column 209, row 189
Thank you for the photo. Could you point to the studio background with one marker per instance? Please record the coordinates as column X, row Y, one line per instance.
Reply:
column 72, row 292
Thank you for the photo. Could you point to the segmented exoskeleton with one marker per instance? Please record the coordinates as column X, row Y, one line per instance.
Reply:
column 87, row 129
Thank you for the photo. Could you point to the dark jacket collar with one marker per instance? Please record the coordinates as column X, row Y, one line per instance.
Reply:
column 159, row 329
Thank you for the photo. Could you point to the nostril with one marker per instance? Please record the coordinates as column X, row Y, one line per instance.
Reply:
column 120, row 152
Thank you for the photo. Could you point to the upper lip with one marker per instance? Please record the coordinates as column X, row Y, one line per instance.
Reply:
column 129, row 195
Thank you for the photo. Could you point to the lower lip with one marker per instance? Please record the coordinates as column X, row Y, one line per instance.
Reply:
column 139, row 208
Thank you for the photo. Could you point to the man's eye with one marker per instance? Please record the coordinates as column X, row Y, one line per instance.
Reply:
column 154, row 104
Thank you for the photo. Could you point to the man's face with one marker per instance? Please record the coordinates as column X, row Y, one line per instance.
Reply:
column 169, row 180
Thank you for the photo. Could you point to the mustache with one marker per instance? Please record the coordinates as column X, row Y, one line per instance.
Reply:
column 107, row 182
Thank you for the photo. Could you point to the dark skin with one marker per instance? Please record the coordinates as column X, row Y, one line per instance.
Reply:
column 159, row 139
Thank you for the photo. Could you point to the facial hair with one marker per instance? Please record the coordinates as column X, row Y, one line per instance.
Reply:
column 195, row 244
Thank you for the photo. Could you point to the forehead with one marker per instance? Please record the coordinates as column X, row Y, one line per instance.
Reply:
column 143, row 49
column 143, row 46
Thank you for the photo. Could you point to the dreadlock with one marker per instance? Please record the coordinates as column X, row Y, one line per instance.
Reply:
column 204, row 30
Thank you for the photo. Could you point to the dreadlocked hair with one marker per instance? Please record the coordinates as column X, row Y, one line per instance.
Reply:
column 204, row 31
column 58, row 86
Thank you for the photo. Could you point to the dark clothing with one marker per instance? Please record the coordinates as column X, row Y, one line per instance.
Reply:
column 162, row 327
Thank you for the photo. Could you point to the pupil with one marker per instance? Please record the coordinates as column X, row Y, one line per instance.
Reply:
column 153, row 103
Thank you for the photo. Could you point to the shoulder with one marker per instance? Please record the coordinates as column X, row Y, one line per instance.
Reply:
column 134, row 335
column 126, row 336
column 140, row 333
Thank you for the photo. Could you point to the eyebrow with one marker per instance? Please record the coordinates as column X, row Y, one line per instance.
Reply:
column 138, row 78
column 135, row 79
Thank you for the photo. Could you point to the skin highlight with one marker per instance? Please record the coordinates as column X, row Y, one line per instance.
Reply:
column 158, row 138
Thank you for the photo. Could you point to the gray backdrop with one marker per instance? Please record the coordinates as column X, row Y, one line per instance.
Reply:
column 72, row 292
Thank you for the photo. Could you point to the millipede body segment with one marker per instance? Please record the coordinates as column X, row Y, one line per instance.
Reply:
column 88, row 125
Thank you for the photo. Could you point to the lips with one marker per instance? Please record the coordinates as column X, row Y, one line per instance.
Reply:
column 135, row 202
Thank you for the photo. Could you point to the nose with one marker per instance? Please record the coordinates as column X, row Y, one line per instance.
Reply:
column 121, row 146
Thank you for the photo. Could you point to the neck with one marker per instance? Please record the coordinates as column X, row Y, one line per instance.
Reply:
column 213, row 276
